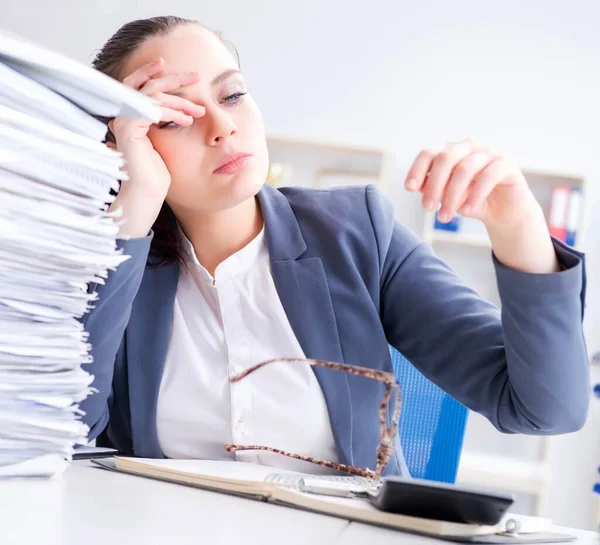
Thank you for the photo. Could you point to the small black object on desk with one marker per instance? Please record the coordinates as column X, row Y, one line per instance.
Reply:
column 440, row 501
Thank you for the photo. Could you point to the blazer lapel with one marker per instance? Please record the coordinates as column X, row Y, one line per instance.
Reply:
column 147, row 343
column 302, row 286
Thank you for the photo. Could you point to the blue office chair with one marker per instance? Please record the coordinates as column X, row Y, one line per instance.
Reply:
column 432, row 425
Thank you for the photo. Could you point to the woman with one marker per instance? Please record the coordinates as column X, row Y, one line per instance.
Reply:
column 226, row 271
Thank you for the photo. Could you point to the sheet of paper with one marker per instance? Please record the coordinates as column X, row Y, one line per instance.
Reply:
column 27, row 96
column 37, row 61
column 34, row 125
column 48, row 465
column 57, row 240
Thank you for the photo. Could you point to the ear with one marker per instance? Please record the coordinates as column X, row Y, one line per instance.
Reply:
column 111, row 145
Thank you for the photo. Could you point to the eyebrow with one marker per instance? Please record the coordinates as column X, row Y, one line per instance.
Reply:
column 220, row 78
column 224, row 76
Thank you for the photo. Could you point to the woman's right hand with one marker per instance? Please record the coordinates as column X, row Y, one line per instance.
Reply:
column 142, row 195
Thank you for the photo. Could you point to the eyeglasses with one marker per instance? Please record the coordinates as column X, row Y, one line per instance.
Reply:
column 387, row 434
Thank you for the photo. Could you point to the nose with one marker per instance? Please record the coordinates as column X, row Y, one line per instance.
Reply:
column 220, row 126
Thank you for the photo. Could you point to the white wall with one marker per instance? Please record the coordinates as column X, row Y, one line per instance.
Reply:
column 521, row 76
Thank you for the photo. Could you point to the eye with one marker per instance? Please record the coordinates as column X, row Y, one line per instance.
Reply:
column 170, row 125
column 234, row 98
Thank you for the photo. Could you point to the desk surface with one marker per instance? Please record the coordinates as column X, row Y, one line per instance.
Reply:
column 91, row 506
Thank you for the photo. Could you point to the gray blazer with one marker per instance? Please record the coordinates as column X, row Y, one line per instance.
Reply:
column 353, row 281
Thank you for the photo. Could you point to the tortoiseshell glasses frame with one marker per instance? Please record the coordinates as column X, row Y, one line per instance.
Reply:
column 387, row 434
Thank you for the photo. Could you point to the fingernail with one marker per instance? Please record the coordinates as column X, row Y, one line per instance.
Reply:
column 444, row 216
column 429, row 204
column 411, row 184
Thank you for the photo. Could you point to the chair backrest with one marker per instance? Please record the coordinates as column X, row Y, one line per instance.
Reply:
column 432, row 424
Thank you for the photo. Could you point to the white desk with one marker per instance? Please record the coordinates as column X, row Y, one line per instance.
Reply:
column 91, row 506
column 362, row 534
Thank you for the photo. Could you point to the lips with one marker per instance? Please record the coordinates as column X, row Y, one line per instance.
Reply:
column 233, row 163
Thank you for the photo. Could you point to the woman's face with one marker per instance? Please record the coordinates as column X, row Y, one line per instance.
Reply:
column 232, row 125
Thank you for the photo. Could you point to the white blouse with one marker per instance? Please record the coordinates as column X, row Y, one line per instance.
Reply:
column 221, row 326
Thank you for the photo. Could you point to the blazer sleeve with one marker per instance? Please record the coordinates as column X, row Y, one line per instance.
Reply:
column 525, row 367
column 106, row 324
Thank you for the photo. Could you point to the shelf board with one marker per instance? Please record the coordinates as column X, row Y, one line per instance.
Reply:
column 507, row 473
column 479, row 241
column 551, row 177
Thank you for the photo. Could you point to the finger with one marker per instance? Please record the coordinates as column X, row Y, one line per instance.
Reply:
column 144, row 73
column 170, row 83
column 484, row 183
column 167, row 114
column 179, row 103
column 111, row 145
column 120, row 126
column 419, row 169
column 462, row 175
column 440, row 171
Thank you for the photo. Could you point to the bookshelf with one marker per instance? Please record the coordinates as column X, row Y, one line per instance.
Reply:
column 322, row 164
column 471, row 233
column 478, row 241
column 525, row 474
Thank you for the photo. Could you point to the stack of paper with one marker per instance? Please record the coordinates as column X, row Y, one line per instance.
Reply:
column 56, row 236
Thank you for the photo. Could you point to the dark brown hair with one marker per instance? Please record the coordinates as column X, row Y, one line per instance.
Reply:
column 166, row 244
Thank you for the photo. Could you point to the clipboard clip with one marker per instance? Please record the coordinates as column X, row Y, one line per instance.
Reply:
column 512, row 527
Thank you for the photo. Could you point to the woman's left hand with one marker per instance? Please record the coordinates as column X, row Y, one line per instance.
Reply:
column 468, row 179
